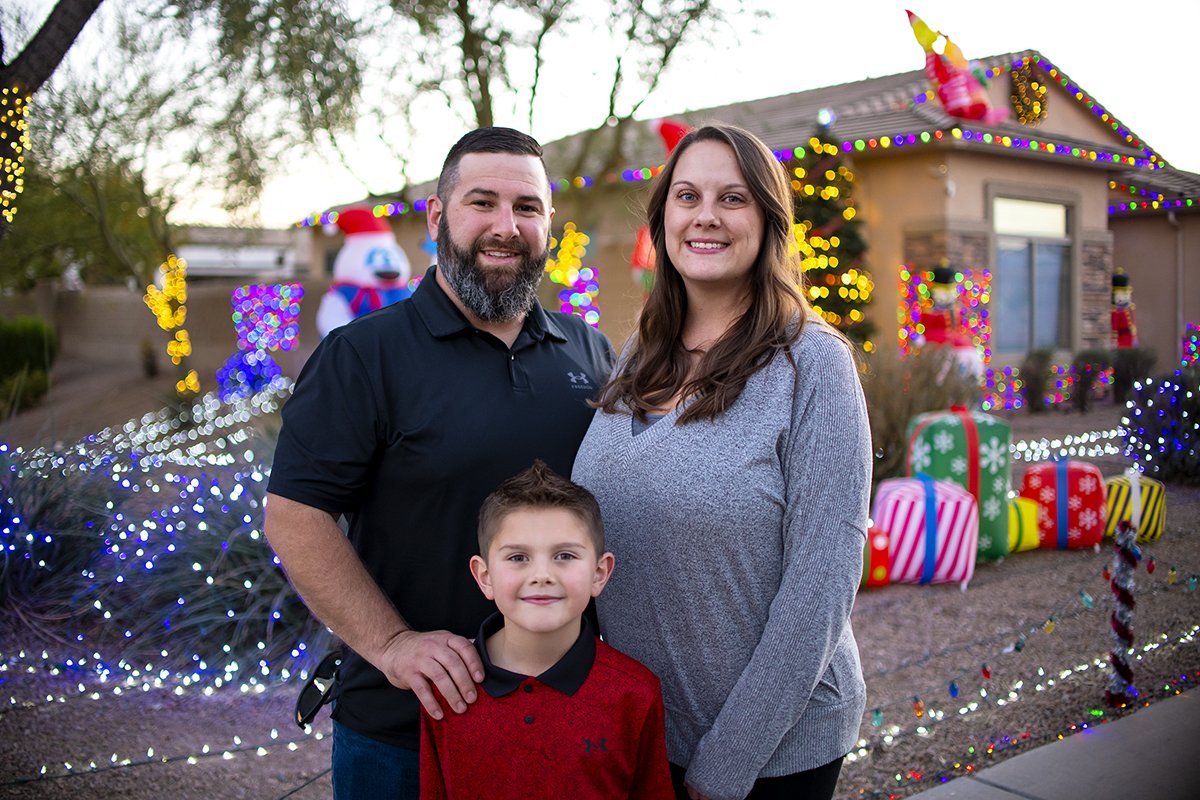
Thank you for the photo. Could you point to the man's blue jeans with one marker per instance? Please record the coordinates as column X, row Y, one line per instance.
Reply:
column 367, row 769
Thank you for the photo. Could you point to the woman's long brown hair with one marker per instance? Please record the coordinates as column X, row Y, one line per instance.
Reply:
column 657, row 367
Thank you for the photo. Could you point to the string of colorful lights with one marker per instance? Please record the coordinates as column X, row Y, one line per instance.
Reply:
column 149, row 456
column 582, row 282
column 1047, row 146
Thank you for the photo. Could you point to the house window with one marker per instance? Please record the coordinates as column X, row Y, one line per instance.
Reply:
column 1030, row 308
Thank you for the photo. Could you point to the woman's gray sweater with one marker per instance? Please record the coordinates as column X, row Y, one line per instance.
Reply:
column 739, row 546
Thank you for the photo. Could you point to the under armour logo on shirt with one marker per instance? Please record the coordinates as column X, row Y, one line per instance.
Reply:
column 579, row 378
column 588, row 746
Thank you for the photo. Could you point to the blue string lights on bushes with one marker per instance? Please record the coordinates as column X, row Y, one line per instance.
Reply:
column 1162, row 426
column 147, row 539
column 146, row 546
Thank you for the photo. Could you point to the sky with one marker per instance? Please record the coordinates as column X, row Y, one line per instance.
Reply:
column 1138, row 60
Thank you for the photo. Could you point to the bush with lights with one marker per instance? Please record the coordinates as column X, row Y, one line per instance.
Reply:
column 140, row 565
column 898, row 389
column 1161, row 426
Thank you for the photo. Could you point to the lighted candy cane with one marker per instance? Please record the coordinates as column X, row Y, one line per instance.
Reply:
column 1120, row 684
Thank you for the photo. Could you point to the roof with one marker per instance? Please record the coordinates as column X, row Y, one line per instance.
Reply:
column 867, row 111
column 869, row 117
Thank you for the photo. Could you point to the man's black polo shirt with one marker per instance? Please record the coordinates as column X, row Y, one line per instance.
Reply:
column 404, row 420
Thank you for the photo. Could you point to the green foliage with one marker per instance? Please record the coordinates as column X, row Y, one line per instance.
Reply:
column 1086, row 366
column 898, row 389
column 1035, row 373
column 1130, row 364
column 89, row 216
column 26, row 342
column 1162, row 426
column 840, row 288
column 22, row 390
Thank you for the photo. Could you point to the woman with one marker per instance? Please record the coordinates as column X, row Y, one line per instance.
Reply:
column 731, row 458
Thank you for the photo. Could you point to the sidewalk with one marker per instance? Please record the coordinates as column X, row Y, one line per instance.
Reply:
column 1153, row 753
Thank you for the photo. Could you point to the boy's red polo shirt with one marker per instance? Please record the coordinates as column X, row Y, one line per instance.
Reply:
column 588, row 728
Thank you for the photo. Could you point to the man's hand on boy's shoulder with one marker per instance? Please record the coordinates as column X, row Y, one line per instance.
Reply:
column 418, row 660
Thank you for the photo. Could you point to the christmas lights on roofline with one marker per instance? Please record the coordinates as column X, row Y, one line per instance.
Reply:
column 1043, row 145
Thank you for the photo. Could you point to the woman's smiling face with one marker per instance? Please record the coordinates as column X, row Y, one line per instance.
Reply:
column 712, row 224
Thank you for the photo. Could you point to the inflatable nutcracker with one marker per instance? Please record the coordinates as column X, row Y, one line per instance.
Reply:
column 1122, row 310
column 369, row 272
column 941, row 322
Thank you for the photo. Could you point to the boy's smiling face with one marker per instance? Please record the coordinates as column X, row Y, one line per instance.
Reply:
column 541, row 569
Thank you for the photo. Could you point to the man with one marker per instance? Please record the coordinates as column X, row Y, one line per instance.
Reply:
column 403, row 421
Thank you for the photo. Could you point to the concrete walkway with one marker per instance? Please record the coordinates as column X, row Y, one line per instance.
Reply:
column 1152, row 754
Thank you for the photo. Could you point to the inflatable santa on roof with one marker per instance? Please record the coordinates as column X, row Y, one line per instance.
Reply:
column 369, row 272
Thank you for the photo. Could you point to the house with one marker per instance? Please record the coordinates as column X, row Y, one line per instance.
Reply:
column 1036, row 212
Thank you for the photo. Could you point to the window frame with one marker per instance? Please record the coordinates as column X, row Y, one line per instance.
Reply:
column 1071, row 201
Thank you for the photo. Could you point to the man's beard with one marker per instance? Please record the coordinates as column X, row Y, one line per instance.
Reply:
column 493, row 295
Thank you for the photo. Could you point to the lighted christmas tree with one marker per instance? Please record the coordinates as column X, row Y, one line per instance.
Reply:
column 829, row 238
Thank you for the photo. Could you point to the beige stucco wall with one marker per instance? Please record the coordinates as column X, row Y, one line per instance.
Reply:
column 924, row 205
column 1163, row 262
column 1065, row 116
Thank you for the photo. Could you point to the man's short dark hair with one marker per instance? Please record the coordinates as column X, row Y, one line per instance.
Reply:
column 485, row 140
column 539, row 487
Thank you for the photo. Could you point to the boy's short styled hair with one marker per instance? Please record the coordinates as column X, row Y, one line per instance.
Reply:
column 539, row 487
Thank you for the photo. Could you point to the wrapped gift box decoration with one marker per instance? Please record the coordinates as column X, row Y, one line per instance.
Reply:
column 1022, row 524
column 875, row 560
column 1153, row 505
column 972, row 450
column 1070, row 498
column 932, row 528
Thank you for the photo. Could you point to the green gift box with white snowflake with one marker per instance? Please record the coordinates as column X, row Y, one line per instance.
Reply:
column 971, row 449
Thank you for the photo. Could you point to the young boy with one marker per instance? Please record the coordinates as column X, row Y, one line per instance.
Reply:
column 589, row 726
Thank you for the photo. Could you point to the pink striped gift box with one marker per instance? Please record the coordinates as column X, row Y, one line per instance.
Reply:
column 933, row 527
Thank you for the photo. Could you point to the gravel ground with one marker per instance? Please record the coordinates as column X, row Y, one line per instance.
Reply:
column 914, row 641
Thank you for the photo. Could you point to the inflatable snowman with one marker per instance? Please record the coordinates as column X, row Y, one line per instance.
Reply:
column 369, row 272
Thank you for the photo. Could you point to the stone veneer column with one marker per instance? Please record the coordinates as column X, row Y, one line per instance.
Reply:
column 1095, row 289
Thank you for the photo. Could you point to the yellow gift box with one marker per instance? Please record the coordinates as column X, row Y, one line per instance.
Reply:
column 1022, row 524
column 1153, row 506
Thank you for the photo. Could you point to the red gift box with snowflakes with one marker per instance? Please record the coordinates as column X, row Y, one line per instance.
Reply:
column 1071, row 502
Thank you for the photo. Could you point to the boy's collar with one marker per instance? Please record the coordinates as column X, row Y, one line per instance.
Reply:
column 566, row 676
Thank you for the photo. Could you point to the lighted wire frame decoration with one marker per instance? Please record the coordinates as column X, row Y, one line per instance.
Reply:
column 1002, row 388
column 1191, row 346
column 266, row 318
column 974, row 292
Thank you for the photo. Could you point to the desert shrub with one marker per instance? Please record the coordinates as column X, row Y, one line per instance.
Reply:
column 1086, row 367
column 1162, row 426
column 1035, row 373
column 1130, row 364
column 144, row 563
column 22, row 390
column 26, row 343
column 49, row 519
column 898, row 389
